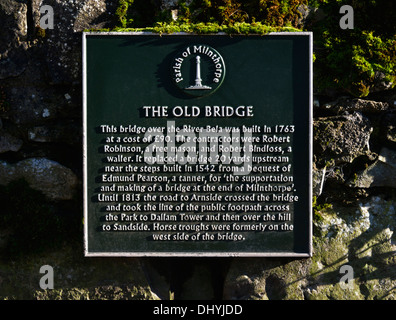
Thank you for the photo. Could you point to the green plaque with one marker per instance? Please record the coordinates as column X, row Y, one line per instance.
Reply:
column 197, row 145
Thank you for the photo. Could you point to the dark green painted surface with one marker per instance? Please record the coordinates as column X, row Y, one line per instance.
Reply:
column 126, row 72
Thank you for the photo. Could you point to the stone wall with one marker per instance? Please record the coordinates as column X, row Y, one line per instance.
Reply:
column 354, row 178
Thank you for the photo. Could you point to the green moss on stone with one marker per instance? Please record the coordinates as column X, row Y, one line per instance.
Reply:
column 203, row 28
column 354, row 61
column 122, row 13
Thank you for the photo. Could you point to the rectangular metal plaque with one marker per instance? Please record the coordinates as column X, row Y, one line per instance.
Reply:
column 197, row 145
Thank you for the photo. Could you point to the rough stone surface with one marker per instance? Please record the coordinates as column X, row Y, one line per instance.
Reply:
column 9, row 142
column 35, row 105
column 318, row 178
column 68, row 132
column 361, row 237
column 388, row 127
column 382, row 173
column 54, row 180
column 346, row 105
column 341, row 139
column 75, row 278
column 13, row 60
column 265, row 279
column 94, row 14
column 169, row 4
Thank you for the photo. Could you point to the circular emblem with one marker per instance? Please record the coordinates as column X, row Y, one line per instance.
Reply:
column 198, row 70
